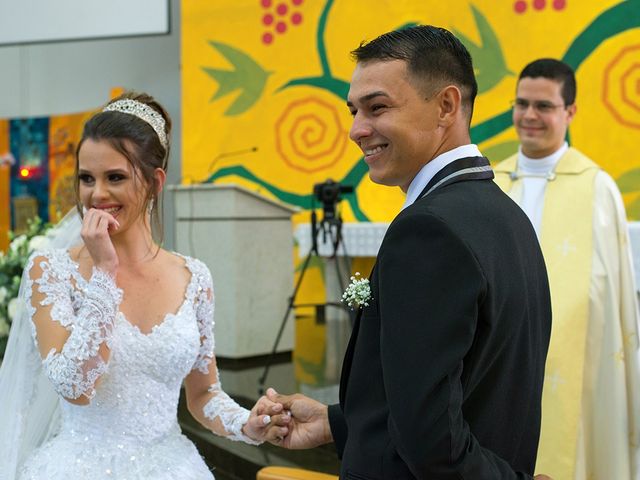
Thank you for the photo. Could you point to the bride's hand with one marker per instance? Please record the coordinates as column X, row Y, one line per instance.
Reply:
column 95, row 234
column 267, row 422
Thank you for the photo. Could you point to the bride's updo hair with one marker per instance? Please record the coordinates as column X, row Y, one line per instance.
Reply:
column 144, row 138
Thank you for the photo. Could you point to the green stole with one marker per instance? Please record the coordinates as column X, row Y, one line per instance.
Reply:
column 566, row 238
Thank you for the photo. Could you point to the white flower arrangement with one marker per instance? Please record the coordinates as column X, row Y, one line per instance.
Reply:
column 358, row 292
column 17, row 243
column 38, row 243
column 12, row 264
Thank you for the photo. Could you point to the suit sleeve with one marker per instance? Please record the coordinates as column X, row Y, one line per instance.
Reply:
column 338, row 428
column 430, row 287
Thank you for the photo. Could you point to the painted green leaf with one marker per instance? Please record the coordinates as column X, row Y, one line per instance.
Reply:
column 488, row 60
column 246, row 76
column 633, row 210
column 629, row 181
column 501, row 151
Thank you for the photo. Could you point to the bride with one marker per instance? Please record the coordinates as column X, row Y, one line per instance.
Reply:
column 111, row 327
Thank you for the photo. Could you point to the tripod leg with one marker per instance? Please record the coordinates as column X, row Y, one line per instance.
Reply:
column 291, row 304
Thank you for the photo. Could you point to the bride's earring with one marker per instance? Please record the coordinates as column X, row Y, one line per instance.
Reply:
column 150, row 207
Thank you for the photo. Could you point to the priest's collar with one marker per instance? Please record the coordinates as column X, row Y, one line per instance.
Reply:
column 540, row 166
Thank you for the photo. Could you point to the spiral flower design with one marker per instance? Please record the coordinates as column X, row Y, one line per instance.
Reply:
column 621, row 86
column 310, row 136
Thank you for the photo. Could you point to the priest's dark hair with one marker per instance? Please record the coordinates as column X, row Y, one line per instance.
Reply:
column 555, row 70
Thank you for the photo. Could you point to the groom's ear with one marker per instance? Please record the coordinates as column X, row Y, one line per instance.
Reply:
column 449, row 105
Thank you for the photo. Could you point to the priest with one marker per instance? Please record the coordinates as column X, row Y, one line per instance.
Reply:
column 591, row 393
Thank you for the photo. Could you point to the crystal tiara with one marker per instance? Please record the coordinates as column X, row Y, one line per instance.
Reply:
column 143, row 112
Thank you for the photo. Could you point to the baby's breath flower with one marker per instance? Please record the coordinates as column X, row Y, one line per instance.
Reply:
column 17, row 243
column 358, row 292
column 38, row 242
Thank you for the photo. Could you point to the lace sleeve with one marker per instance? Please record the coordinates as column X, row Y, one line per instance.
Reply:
column 74, row 369
column 231, row 415
column 219, row 406
column 204, row 315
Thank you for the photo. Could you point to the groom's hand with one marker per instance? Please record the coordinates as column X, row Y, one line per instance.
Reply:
column 309, row 426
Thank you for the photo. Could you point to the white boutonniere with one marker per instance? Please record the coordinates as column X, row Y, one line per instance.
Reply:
column 358, row 292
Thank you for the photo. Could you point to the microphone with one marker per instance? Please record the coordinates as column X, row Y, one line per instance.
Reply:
column 234, row 153
column 195, row 181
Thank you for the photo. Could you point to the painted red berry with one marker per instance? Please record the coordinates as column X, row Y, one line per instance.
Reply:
column 520, row 6
column 539, row 4
column 559, row 4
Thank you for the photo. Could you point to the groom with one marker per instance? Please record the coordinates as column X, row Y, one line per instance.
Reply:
column 443, row 375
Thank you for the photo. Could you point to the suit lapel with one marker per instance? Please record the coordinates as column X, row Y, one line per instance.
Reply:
column 348, row 356
column 470, row 168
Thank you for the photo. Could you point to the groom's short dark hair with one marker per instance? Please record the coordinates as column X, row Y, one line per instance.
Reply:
column 434, row 56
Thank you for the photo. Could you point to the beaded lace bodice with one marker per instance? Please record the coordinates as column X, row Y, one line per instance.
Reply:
column 138, row 395
column 137, row 392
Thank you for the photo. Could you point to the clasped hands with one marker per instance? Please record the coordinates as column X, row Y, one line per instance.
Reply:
column 290, row 421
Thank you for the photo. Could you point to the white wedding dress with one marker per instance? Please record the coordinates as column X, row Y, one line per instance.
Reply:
column 129, row 430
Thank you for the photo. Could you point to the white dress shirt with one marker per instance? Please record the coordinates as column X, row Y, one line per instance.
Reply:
column 535, row 173
column 427, row 172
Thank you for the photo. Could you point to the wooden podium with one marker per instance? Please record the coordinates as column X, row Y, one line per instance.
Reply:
column 246, row 240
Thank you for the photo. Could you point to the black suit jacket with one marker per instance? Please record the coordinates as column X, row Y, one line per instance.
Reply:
column 443, row 375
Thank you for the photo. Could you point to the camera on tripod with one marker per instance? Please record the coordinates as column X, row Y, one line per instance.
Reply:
column 329, row 194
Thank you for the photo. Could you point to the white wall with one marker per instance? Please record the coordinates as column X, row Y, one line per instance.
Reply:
column 68, row 77
column 28, row 21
